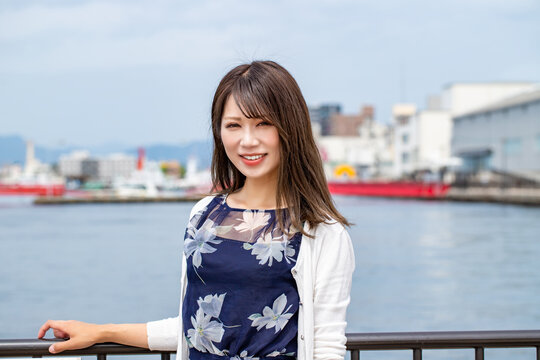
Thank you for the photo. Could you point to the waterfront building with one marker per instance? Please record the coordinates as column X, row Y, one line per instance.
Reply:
column 423, row 138
column 350, row 125
column 502, row 136
column 71, row 165
column 320, row 117
column 81, row 166
column 461, row 98
column 358, row 142
column 116, row 166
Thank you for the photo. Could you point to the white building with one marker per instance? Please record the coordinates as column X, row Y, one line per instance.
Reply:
column 503, row 136
column 71, row 165
column 460, row 98
column 116, row 166
column 369, row 153
column 79, row 164
column 423, row 138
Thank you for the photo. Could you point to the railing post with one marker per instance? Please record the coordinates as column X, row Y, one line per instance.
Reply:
column 538, row 353
column 417, row 354
column 101, row 356
column 479, row 353
column 165, row 356
column 355, row 354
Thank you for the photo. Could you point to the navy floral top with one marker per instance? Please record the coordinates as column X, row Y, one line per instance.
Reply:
column 241, row 300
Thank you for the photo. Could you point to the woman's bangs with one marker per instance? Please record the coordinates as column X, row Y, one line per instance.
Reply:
column 252, row 105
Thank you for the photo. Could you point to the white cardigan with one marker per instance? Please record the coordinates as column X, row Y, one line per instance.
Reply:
column 323, row 274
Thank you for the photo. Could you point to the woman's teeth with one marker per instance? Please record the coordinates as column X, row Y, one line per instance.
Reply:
column 253, row 157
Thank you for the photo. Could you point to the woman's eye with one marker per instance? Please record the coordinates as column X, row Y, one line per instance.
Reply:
column 264, row 123
column 231, row 125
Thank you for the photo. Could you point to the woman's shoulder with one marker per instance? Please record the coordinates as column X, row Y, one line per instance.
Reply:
column 331, row 246
column 329, row 228
column 201, row 205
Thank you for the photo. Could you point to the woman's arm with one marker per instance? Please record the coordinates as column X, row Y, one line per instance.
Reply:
column 334, row 266
column 82, row 335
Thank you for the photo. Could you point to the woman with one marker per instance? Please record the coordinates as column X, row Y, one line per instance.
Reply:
column 267, row 265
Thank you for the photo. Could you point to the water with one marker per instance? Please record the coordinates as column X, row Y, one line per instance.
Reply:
column 421, row 266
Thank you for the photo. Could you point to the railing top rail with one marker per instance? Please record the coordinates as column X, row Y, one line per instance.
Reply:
column 40, row 347
column 443, row 339
column 355, row 341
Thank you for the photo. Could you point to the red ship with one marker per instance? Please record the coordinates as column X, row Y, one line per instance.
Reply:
column 32, row 189
column 390, row 189
column 33, row 180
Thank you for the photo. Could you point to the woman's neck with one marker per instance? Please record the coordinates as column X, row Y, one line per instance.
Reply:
column 255, row 194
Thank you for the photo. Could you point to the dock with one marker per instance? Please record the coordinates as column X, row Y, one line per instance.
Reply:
column 501, row 195
column 111, row 199
column 516, row 196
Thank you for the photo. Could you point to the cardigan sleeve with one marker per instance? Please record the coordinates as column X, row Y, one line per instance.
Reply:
column 334, row 266
column 163, row 334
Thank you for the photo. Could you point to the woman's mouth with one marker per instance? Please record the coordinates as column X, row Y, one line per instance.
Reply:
column 253, row 160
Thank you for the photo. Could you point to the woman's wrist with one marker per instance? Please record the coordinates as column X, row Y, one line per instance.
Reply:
column 127, row 334
column 106, row 333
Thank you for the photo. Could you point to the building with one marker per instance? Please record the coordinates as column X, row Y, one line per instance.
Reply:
column 405, row 142
column 503, row 136
column 320, row 117
column 116, row 166
column 461, row 98
column 368, row 150
column 71, row 165
column 423, row 138
column 350, row 125
column 81, row 166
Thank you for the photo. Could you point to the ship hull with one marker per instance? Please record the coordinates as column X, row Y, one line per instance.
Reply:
column 34, row 189
column 390, row 189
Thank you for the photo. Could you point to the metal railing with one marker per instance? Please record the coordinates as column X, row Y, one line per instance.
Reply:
column 415, row 341
column 418, row 341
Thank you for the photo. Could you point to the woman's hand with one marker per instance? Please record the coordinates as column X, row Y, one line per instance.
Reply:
column 80, row 334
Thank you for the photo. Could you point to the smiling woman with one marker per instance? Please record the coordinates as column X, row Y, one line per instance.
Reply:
column 252, row 145
column 267, row 262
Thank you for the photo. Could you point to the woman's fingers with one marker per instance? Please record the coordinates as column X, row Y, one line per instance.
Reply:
column 59, row 334
column 54, row 324
column 80, row 334
column 62, row 346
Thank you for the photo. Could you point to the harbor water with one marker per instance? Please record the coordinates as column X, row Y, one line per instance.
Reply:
column 420, row 266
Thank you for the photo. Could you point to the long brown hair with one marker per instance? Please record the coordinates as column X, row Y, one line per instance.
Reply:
column 265, row 90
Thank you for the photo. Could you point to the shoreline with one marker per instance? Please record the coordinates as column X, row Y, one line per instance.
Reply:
column 511, row 196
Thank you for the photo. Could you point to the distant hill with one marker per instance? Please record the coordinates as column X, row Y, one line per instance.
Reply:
column 13, row 150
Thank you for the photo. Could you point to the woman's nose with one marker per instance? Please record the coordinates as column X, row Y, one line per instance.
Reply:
column 249, row 138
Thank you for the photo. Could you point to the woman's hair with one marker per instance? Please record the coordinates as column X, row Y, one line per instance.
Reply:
column 265, row 90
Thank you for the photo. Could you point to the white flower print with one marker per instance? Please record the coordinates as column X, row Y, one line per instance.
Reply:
column 197, row 216
column 205, row 332
column 267, row 249
column 282, row 352
column 243, row 356
column 252, row 219
column 211, row 304
column 198, row 241
column 276, row 317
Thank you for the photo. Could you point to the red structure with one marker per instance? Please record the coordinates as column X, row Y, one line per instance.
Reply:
column 390, row 189
column 140, row 159
column 32, row 189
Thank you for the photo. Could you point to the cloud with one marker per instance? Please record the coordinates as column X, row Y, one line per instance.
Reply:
column 108, row 35
column 82, row 18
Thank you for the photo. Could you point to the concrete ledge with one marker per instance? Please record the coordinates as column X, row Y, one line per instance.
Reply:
column 521, row 196
column 113, row 200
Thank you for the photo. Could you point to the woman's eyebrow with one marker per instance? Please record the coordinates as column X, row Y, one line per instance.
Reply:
column 231, row 118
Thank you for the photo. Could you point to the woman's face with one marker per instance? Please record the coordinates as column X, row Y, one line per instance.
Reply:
column 252, row 145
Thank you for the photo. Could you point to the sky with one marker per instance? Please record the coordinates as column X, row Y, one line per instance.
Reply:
column 143, row 72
